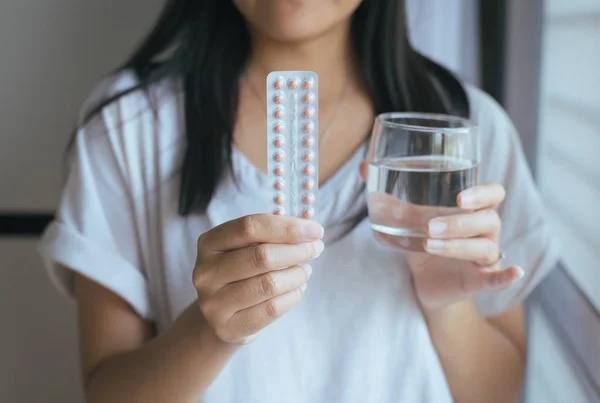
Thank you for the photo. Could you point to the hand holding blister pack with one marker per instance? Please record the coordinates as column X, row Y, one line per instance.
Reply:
column 292, row 142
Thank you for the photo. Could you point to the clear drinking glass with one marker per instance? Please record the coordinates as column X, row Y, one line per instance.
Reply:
column 418, row 164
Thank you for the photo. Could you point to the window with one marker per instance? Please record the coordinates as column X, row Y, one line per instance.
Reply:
column 569, row 143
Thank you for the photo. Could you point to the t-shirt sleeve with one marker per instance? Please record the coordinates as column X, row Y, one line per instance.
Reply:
column 94, row 232
column 526, row 239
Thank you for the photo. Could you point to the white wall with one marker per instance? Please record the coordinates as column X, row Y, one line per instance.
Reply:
column 53, row 51
column 38, row 347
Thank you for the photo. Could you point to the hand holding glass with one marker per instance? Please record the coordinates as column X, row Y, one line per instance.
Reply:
column 418, row 164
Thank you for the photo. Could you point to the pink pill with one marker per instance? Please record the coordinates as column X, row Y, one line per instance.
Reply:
column 280, row 211
column 309, row 156
column 279, row 184
column 308, row 83
column 308, row 198
column 308, row 141
column 279, row 199
column 278, row 128
column 278, row 171
column 308, row 170
column 308, row 128
column 293, row 83
column 308, row 184
column 279, row 141
column 308, row 98
column 279, row 156
column 278, row 84
column 308, row 213
column 279, row 113
column 308, row 112
column 278, row 98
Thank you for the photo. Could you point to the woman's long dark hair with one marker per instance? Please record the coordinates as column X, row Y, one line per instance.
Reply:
column 208, row 45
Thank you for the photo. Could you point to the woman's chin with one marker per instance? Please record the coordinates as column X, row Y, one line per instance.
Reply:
column 296, row 21
column 293, row 32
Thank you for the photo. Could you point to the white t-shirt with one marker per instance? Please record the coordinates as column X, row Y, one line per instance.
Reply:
column 358, row 334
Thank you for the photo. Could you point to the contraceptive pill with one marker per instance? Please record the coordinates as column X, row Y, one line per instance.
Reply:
column 292, row 146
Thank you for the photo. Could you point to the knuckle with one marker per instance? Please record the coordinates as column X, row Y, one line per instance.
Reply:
column 490, row 251
column 288, row 231
column 451, row 247
column 272, row 309
column 248, row 227
column 200, row 246
column 464, row 284
column 305, row 249
column 456, row 225
column 268, row 285
column 199, row 277
column 222, row 333
column 200, row 240
column 262, row 257
column 502, row 191
column 495, row 279
column 497, row 220
column 207, row 308
column 309, row 249
column 494, row 218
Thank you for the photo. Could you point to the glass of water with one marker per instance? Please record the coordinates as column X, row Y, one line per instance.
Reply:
column 418, row 164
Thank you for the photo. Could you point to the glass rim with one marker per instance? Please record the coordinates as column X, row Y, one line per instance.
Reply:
column 467, row 125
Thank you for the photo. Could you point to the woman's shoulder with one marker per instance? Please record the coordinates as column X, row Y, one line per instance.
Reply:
column 486, row 112
column 122, row 96
column 120, row 107
column 135, row 128
column 499, row 139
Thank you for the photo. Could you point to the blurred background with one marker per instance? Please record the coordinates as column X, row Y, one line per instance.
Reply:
column 539, row 58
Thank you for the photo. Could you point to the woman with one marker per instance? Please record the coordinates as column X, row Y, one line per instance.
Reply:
column 162, row 238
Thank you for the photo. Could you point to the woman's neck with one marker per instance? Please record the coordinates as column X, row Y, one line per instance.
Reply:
column 329, row 55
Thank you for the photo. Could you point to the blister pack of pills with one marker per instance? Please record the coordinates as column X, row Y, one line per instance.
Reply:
column 292, row 142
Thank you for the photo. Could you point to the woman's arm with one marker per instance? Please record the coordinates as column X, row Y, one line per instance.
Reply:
column 122, row 362
column 484, row 359
column 241, row 290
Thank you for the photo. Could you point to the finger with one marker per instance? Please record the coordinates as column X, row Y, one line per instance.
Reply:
column 482, row 222
column 408, row 243
column 364, row 169
column 483, row 251
column 385, row 208
column 483, row 196
column 259, row 228
column 253, row 291
column 258, row 259
column 251, row 320
column 481, row 281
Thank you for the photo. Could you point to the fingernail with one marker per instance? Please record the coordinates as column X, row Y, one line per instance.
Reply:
column 489, row 270
column 312, row 230
column 437, row 227
column 467, row 199
column 435, row 245
column 510, row 276
column 520, row 273
column 308, row 269
column 319, row 247
column 303, row 288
